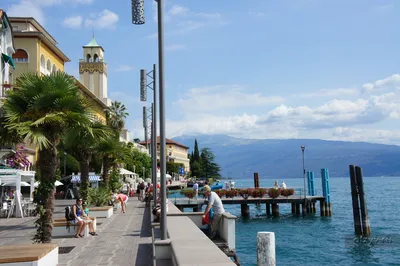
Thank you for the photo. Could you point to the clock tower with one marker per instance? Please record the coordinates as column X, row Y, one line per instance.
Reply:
column 93, row 70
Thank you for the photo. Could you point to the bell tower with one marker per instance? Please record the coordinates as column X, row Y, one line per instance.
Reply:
column 93, row 70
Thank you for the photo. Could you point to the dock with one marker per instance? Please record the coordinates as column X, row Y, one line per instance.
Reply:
column 298, row 204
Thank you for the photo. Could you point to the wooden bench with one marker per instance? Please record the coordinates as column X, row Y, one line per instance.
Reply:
column 29, row 254
column 60, row 228
column 94, row 220
column 101, row 212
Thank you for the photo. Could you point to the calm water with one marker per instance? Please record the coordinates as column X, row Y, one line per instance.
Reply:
column 316, row 240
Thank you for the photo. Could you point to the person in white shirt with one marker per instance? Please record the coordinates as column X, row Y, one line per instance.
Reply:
column 283, row 185
column 196, row 189
column 215, row 203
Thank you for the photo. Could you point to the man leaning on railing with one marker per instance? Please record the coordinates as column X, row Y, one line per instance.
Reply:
column 214, row 202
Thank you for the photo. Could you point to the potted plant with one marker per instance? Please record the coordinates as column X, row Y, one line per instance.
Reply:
column 246, row 192
column 259, row 192
column 287, row 192
column 220, row 192
column 231, row 193
column 274, row 192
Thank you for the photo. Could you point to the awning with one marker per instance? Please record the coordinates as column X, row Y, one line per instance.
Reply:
column 9, row 60
column 92, row 178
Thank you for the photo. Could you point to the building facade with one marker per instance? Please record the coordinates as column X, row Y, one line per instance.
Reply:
column 93, row 70
column 35, row 49
column 7, row 49
column 175, row 151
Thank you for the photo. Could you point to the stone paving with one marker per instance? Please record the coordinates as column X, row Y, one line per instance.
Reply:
column 124, row 239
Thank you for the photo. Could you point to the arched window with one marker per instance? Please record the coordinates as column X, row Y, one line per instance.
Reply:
column 48, row 65
column 42, row 61
column 95, row 58
column 88, row 58
column 21, row 56
column 54, row 68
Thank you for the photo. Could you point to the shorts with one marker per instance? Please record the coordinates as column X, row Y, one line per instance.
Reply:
column 79, row 219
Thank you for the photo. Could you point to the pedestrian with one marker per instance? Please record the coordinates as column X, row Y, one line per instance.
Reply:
column 196, row 189
column 122, row 198
column 214, row 202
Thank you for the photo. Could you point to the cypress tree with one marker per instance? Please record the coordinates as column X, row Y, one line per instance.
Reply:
column 196, row 154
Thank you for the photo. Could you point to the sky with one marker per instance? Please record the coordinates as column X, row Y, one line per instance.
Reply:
column 326, row 69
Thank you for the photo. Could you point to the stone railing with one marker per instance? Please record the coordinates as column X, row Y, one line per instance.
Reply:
column 185, row 239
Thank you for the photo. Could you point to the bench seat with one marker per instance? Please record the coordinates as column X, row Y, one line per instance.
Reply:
column 29, row 254
column 60, row 228
column 94, row 220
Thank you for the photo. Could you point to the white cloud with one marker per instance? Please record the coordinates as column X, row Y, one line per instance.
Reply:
column 329, row 93
column 27, row 8
column 175, row 47
column 124, row 68
column 382, row 83
column 209, row 110
column 103, row 20
column 73, row 22
column 178, row 10
column 256, row 14
column 223, row 97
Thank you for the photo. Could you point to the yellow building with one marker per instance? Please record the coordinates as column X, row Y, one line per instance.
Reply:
column 36, row 50
column 175, row 151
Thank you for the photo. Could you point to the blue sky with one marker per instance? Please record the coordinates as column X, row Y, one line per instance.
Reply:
column 254, row 69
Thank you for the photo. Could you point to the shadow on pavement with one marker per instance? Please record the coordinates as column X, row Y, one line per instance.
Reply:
column 146, row 224
column 144, row 255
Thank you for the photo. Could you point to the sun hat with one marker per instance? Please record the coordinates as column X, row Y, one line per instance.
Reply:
column 206, row 188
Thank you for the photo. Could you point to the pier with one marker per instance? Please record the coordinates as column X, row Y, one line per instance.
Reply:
column 298, row 204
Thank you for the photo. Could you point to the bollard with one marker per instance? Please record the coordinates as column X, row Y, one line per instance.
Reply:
column 266, row 249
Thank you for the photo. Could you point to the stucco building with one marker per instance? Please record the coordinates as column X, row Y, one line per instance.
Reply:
column 7, row 49
column 175, row 151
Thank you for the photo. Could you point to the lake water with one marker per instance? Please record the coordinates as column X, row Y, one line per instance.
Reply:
column 315, row 240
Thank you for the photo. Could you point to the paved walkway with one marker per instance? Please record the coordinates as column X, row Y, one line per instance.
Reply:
column 124, row 239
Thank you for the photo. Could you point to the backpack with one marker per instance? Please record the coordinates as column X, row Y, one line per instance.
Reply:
column 69, row 216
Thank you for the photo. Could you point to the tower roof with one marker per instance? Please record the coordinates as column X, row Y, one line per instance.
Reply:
column 93, row 43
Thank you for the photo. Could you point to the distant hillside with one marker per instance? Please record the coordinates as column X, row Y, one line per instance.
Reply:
column 282, row 158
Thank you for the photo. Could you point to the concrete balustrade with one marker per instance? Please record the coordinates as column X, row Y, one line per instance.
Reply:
column 187, row 244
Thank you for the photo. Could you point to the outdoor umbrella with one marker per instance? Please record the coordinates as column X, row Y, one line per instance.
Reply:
column 57, row 183
column 13, row 184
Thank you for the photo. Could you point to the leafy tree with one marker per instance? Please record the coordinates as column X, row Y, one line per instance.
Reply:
column 115, row 116
column 174, row 167
column 209, row 168
column 82, row 141
column 115, row 181
column 137, row 160
column 41, row 109
column 196, row 153
column 196, row 169
column 8, row 137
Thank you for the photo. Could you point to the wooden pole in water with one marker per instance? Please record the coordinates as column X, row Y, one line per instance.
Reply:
column 268, row 209
column 354, row 198
column 293, row 208
column 275, row 210
column 304, row 207
column 256, row 181
column 366, row 228
column 297, row 208
column 266, row 255
column 322, row 207
column 245, row 210
column 314, row 210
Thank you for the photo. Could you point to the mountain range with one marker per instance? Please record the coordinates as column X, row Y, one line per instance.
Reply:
column 282, row 158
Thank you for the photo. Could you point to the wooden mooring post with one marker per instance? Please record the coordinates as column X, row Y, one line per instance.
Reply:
column 275, row 210
column 245, row 210
column 360, row 211
column 268, row 206
column 256, row 180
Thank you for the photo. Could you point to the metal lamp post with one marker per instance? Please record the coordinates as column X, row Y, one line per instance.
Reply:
column 304, row 170
column 138, row 18
column 143, row 97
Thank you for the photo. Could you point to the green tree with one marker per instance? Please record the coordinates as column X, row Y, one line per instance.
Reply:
column 196, row 169
column 41, row 109
column 137, row 160
column 115, row 116
column 174, row 167
column 82, row 141
column 196, row 153
column 209, row 168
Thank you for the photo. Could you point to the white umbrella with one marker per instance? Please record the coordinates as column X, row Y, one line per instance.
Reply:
column 139, row 180
column 166, row 175
column 148, row 180
column 57, row 183
column 13, row 184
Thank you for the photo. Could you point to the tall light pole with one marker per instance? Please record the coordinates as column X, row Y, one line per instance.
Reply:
column 143, row 97
column 139, row 18
column 304, row 170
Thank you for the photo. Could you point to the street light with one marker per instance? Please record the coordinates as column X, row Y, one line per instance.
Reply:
column 138, row 18
column 304, row 170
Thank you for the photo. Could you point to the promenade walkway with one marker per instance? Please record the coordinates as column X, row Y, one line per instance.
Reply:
column 124, row 239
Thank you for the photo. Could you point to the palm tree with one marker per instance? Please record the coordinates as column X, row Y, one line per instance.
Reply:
column 116, row 115
column 81, row 142
column 41, row 109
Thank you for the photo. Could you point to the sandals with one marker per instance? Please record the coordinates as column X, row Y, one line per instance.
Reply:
column 93, row 233
column 76, row 236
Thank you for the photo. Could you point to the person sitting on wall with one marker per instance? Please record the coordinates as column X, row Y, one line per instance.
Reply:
column 214, row 202
column 276, row 185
